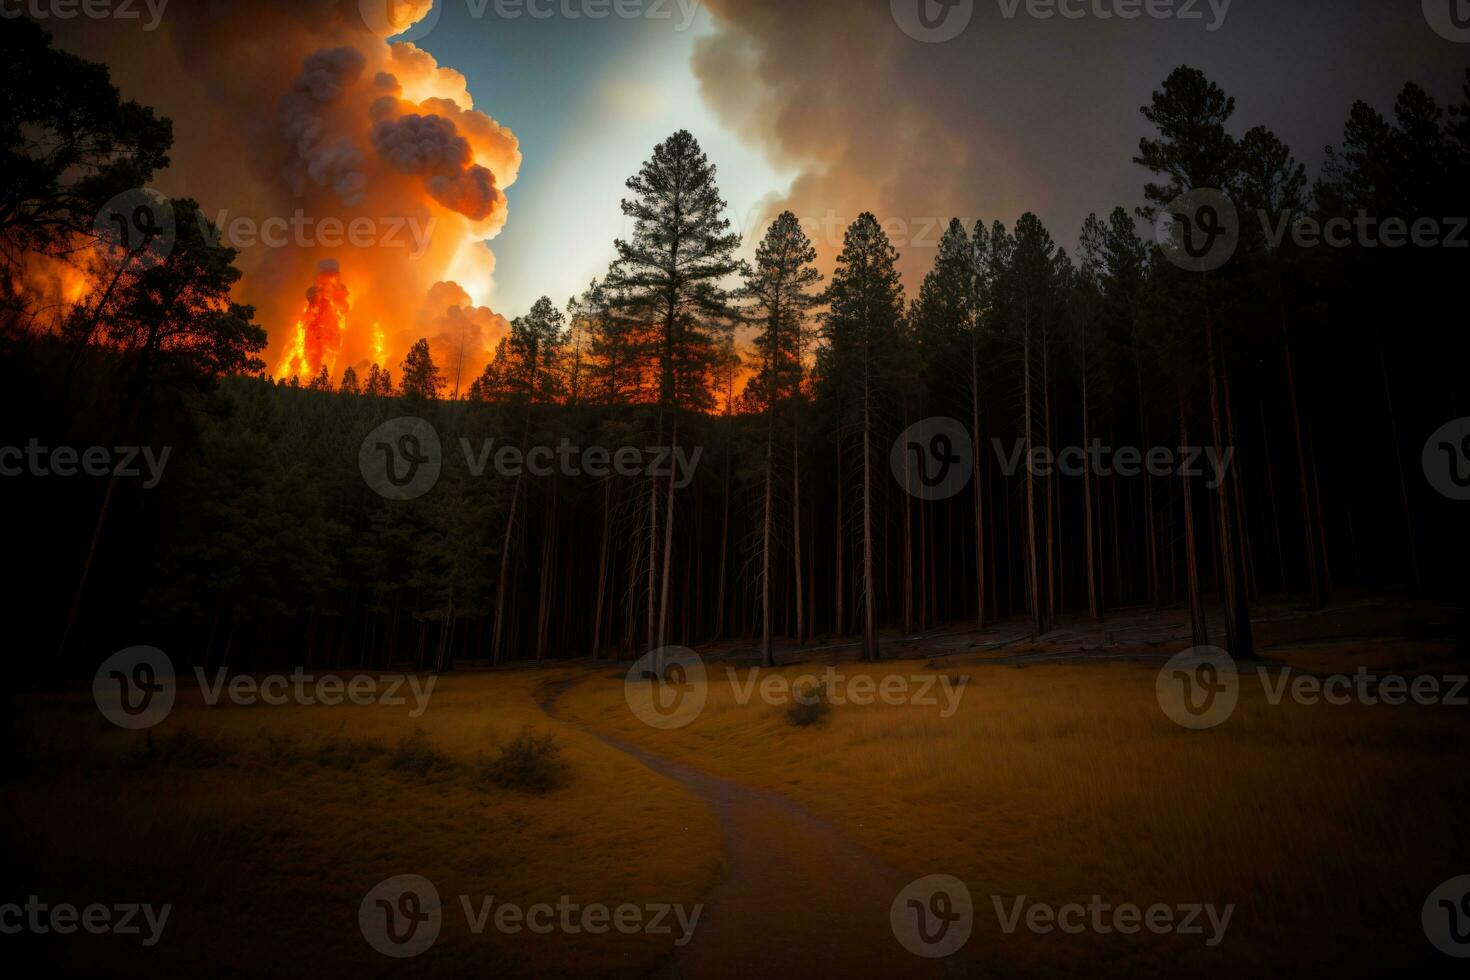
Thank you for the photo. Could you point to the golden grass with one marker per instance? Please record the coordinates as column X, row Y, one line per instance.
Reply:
column 1326, row 826
column 266, row 859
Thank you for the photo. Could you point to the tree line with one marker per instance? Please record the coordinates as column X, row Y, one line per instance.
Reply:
column 1318, row 372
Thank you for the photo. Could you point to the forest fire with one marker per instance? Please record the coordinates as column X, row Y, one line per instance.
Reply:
column 317, row 341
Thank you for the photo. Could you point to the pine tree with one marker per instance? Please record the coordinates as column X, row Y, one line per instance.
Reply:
column 1194, row 151
column 349, row 382
column 669, row 277
column 422, row 380
column 861, row 329
column 779, row 287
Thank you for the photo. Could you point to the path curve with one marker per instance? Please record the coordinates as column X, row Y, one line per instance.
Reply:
column 798, row 897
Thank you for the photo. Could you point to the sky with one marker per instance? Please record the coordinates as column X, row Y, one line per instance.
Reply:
column 826, row 107
column 589, row 100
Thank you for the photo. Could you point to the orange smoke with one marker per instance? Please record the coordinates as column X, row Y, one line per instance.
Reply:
column 308, row 138
column 318, row 338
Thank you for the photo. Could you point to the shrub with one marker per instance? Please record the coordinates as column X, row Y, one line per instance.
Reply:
column 340, row 752
column 185, row 748
column 416, row 754
column 808, row 707
column 279, row 751
column 528, row 762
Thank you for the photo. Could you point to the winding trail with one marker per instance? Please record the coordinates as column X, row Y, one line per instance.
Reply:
column 798, row 898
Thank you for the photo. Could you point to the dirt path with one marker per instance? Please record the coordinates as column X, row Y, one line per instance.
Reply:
column 798, row 898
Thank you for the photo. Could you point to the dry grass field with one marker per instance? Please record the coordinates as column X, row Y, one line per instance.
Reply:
column 265, row 826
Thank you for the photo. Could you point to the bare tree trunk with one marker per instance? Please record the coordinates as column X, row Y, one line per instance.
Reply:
column 1314, row 579
column 497, row 637
column 801, row 623
column 977, row 477
column 1199, row 632
column 1031, row 569
column 839, row 576
column 1087, row 496
column 602, row 569
column 1051, row 573
column 767, row 657
column 870, row 606
column 1237, row 614
column 724, row 556
column 663, row 619
column 1398, row 458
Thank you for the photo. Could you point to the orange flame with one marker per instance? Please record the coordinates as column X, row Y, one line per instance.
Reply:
column 318, row 337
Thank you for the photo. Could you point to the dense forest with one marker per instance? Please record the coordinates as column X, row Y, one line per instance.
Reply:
column 1320, row 370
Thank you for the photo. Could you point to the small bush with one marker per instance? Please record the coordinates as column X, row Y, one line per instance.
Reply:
column 528, row 762
column 341, row 752
column 416, row 754
column 184, row 748
column 808, row 707
column 279, row 751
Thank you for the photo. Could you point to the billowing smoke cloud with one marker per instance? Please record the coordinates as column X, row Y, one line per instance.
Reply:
column 462, row 336
column 1025, row 113
column 374, row 155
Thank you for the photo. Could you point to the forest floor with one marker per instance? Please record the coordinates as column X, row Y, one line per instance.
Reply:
column 1033, row 771
column 265, row 827
column 1059, row 778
